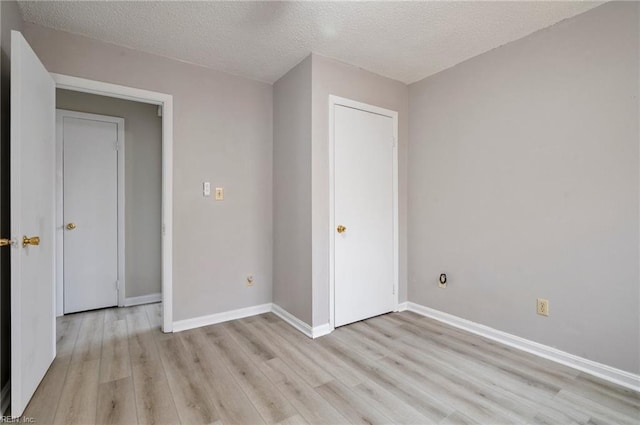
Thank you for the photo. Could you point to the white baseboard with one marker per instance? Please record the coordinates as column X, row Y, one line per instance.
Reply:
column 292, row 320
column 611, row 374
column 143, row 299
column 5, row 398
column 321, row 330
column 212, row 319
column 403, row 306
column 298, row 324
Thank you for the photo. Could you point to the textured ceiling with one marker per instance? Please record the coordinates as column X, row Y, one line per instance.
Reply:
column 406, row 41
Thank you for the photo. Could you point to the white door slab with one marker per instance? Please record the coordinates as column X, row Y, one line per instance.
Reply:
column 33, row 335
column 91, row 145
column 363, row 214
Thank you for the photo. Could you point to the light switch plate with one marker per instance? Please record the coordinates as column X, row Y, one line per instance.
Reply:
column 206, row 189
column 219, row 193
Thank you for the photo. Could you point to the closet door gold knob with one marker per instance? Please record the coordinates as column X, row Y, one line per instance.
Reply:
column 341, row 229
column 34, row 240
column 71, row 226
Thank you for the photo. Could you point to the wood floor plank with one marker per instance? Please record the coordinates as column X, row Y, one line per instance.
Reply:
column 476, row 360
column 305, row 399
column 44, row 403
column 116, row 366
column 154, row 313
column 88, row 345
column 115, row 362
column 389, row 405
column 352, row 406
column 466, row 396
column 298, row 361
column 154, row 401
column 257, row 350
column 606, row 394
column 77, row 404
column 598, row 412
column 193, row 403
column 457, row 418
column 67, row 330
column 141, row 342
column 370, row 348
column 425, row 403
column 316, row 353
column 268, row 400
column 520, row 398
column 294, row 420
column 232, row 404
column 116, row 403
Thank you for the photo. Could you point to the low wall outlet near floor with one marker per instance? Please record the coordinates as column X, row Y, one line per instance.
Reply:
column 442, row 280
column 250, row 280
column 543, row 307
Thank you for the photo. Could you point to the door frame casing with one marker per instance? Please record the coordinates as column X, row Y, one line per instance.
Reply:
column 166, row 102
column 60, row 224
column 341, row 101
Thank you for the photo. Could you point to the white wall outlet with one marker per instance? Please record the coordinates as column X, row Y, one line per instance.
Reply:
column 206, row 189
column 542, row 307
column 219, row 193
column 250, row 280
column 442, row 280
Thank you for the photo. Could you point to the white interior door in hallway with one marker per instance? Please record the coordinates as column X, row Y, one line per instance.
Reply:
column 93, row 210
column 32, row 187
column 365, row 226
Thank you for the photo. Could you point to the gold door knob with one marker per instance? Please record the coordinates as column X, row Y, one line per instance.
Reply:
column 34, row 240
column 5, row 241
column 71, row 226
column 341, row 229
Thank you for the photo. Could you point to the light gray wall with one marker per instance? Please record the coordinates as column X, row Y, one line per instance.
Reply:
column 523, row 183
column 222, row 134
column 10, row 19
column 143, row 183
column 332, row 77
column 292, row 191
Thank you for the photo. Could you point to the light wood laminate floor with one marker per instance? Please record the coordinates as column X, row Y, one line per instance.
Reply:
column 115, row 367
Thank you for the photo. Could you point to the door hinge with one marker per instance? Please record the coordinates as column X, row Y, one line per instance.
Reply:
column 118, row 285
column 159, row 110
column 394, row 142
column 393, row 291
column 116, row 144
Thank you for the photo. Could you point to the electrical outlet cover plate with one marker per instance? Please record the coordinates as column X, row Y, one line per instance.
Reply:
column 442, row 281
column 542, row 307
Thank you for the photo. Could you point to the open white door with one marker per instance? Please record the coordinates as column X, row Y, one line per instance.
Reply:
column 33, row 335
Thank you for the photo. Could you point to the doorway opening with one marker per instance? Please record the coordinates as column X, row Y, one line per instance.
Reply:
column 147, row 273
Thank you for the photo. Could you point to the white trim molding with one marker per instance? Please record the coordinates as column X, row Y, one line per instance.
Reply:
column 292, row 320
column 611, row 374
column 225, row 316
column 321, row 330
column 143, row 299
column 5, row 398
column 403, row 306
column 301, row 326
column 166, row 102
